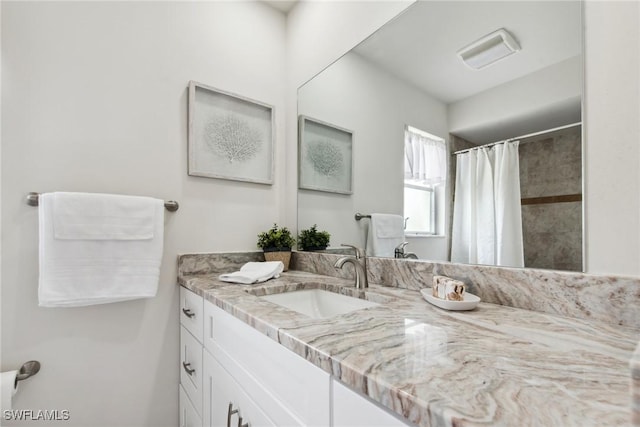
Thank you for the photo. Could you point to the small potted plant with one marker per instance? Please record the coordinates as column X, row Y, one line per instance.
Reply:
column 313, row 240
column 276, row 244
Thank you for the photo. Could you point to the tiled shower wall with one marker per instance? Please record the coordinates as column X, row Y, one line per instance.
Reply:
column 551, row 165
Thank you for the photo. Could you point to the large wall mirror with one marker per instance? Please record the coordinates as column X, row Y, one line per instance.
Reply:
column 396, row 109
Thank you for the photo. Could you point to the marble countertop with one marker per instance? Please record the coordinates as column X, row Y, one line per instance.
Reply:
column 495, row 365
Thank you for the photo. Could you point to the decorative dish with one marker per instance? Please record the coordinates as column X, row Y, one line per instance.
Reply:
column 469, row 303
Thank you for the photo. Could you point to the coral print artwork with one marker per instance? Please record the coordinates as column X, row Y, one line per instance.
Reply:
column 230, row 137
column 325, row 157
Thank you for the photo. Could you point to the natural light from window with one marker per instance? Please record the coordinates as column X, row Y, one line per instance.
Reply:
column 425, row 171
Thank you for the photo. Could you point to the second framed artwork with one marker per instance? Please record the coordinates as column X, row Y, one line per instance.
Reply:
column 230, row 137
column 325, row 157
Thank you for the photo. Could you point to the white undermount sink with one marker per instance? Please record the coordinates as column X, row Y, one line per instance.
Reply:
column 318, row 303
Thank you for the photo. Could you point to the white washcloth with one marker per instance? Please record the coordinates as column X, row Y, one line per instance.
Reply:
column 98, row 248
column 254, row 272
column 386, row 232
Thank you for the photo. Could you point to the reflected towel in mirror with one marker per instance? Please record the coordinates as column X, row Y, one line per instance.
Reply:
column 386, row 231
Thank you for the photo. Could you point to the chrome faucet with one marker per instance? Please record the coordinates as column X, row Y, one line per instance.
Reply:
column 359, row 262
column 400, row 253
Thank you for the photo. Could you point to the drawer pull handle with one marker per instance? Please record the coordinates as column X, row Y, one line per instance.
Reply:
column 187, row 312
column 240, row 423
column 230, row 412
column 187, row 368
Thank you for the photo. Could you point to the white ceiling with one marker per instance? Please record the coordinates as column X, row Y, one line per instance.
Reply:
column 420, row 45
column 282, row 5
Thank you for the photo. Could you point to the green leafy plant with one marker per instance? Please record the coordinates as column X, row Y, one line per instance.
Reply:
column 276, row 238
column 313, row 239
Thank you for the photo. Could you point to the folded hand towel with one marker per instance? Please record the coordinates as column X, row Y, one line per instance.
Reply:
column 85, row 216
column 92, row 253
column 254, row 272
column 386, row 232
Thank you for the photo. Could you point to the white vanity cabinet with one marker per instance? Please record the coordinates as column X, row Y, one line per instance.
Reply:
column 188, row 415
column 350, row 409
column 226, row 403
column 286, row 389
column 234, row 375
column 191, row 327
column 192, row 313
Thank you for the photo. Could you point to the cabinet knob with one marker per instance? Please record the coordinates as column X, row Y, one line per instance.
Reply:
column 187, row 312
column 187, row 368
column 230, row 412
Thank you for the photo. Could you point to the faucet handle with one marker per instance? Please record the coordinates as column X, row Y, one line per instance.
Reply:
column 360, row 253
column 401, row 246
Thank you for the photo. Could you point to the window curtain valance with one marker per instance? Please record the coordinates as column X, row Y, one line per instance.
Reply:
column 425, row 159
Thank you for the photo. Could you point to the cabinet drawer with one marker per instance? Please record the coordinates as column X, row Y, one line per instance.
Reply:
column 191, row 368
column 269, row 368
column 191, row 309
column 188, row 415
column 223, row 396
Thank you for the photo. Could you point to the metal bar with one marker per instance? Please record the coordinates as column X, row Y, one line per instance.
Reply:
column 529, row 135
column 359, row 216
column 32, row 200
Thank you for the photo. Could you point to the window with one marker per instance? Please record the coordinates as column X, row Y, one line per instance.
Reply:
column 424, row 182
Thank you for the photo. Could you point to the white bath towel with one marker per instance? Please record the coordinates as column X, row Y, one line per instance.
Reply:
column 98, row 248
column 254, row 272
column 386, row 232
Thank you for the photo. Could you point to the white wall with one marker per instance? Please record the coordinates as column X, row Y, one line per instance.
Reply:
column 542, row 100
column 612, row 129
column 94, row 99
column 355, row 94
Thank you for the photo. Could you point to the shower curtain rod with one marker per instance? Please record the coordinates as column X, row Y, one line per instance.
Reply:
column 529, row 135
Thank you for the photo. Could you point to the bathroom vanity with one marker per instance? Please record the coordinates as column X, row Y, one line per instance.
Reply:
column 400, row 362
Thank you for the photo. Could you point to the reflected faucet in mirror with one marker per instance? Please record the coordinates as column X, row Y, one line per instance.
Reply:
column 359, row 262
column 400, row 253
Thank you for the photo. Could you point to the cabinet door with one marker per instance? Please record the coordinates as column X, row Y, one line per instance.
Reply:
column 353, row 410
column 289, row 388
column 188, row 415
column 225, row 403
column 191, row 368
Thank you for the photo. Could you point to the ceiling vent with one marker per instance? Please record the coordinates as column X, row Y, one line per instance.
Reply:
column 489, row 49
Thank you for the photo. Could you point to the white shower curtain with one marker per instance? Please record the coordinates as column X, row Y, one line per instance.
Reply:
column 487, row 220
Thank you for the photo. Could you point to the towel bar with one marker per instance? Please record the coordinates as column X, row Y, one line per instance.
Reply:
column 359, row 216
column 32, row 200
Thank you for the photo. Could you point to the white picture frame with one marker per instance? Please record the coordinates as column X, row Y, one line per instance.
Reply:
column 325, row 157
column 230, row 136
